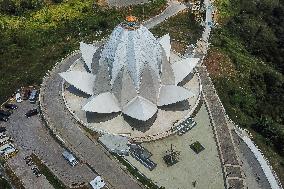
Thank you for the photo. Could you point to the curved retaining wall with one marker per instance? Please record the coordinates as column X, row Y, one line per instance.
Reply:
column 264, row 163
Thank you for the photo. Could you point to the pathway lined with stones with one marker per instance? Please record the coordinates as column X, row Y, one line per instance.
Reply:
column 229, row 159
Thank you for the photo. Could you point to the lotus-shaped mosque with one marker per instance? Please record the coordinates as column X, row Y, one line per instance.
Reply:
column 131, row 73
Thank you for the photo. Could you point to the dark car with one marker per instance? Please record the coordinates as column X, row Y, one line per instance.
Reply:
column 5, row 113
column 3, row 118
column 32, row 112
column 11, row 106
column 26, row 94
column 33, row 96
column 2, row 129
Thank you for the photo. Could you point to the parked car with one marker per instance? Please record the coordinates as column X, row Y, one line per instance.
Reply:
column 70, row 158
column 33, row 96
column 27, row 158
column 3, row 118
column 26, row 94
column 4, row 140
column 5, row 113
column 32, row 112
column 2, row 134
column 30, row 163
column 7, row 150
column 11, row 106
column 18, row 96
column 36, row 172
column 2, row 129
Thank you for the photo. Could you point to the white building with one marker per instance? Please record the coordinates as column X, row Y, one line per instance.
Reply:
column 133, row 73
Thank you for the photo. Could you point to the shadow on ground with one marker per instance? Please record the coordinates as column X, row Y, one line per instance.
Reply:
column 93, row 117
column 77, row 92
column 142, row 126
column 179, row 106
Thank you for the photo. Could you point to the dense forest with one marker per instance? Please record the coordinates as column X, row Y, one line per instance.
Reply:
column 250, row 39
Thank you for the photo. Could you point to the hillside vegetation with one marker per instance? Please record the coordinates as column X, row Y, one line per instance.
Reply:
column 246, row 64
column 35, row 34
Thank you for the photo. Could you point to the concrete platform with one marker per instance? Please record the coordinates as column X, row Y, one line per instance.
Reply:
column 157, row 127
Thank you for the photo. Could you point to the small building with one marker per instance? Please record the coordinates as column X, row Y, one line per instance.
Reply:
column 97, row 183
column 115, row 143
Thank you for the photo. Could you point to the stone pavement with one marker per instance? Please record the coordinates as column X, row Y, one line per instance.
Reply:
column 173, row 8
column 229, row 159
column 74, row 137
column 30, row 136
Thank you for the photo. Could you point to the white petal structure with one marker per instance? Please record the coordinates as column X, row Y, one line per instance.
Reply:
column 132, row 50
column 83, row 81
column 131, row 73
column 88, row 51
column 183, row 68
column 170, row 94
column 140, row 108
column 165, row 42
column 102, row 103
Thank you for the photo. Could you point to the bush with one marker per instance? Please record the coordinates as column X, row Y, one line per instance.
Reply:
column 57, row 1
column 8, row 7
column 16, row 7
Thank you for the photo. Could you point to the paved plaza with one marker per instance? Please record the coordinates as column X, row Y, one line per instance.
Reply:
column 204, row 168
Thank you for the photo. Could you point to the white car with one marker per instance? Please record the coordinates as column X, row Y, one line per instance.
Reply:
column 18, row 97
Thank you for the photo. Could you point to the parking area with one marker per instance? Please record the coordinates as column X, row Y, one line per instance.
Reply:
column 31, row 136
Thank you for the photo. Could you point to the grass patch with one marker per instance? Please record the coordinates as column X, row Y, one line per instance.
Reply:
column 183, row 29
column 53, row 180
column 197, row 147
column 13, row 178
column 4, row 184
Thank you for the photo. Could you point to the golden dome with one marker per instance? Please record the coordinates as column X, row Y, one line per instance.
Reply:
column 131, row 18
